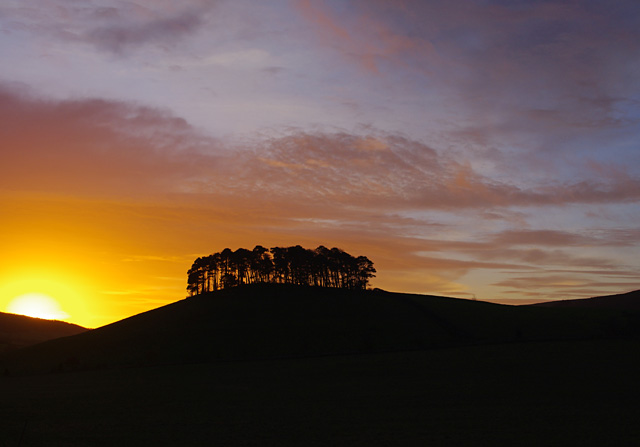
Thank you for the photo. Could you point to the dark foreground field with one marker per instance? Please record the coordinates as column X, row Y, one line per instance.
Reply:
column 289, row 366
column 563, row 393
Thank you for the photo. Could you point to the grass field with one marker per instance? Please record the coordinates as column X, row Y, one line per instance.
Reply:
column 542, row 393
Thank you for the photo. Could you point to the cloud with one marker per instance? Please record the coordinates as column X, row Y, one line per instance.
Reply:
column 94, row 146
column 112, row 147
column 117, row 38
column 392, row 172
column 568, row 284
column 114, row 26
column 364, row 37
column 543, row 81
column 251, row 57
column 423, row 215
column 539, row 238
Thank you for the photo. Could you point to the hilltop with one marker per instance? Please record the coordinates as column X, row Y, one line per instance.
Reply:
column 271, row 321
column 624, row 301
column 18, row 331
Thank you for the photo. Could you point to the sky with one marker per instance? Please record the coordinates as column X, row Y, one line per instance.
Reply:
column 479, row 149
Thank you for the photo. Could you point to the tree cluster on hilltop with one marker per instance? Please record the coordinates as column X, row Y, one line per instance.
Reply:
column 285, row 265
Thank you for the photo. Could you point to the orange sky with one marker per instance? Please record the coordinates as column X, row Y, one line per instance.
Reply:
column 104, row 260
column 481, row 150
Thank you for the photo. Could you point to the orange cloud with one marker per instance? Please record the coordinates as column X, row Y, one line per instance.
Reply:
column 95, row 147
column 364, row 37
column 89, row 147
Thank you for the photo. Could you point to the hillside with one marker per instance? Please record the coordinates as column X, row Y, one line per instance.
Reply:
column 279, row 321
column 424, row 370
column 18, row 331
column 625, row 301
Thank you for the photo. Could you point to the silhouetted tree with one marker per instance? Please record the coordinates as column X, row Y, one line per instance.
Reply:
column 365, row 270
column 261, row 264
column 288, row 265
column 280, row 265
column 194, row 278
column 213, row 269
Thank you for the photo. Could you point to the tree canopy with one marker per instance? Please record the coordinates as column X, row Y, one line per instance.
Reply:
column 321, row 267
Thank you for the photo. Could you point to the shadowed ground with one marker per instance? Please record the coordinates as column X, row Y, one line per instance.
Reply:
column 287, row 366
column 279, row 321
column 18, row 331
column 553, row 394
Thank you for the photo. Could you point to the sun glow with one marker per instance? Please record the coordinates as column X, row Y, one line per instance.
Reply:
column 49, row 293
column 37, row 305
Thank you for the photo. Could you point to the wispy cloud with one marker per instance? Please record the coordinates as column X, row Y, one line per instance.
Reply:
column 96, row 146
column 117, row 38
column 115, row 26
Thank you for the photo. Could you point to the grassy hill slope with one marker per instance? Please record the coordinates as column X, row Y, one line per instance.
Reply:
column 625, row 301
column 278, row 321
column 18, row 331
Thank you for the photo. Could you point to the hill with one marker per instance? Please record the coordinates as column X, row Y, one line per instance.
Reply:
column 289, row 366
column 625, row 301
column 273, row 321
column 18, row 331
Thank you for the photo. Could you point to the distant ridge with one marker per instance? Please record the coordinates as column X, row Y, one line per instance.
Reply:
column 624, row 301
column 269, row 321
column 18, row 331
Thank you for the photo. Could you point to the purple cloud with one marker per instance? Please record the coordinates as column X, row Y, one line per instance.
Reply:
column 117, row 38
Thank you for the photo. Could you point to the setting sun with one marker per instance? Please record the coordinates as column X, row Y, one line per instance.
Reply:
column 37, row 305
column 49, row 292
